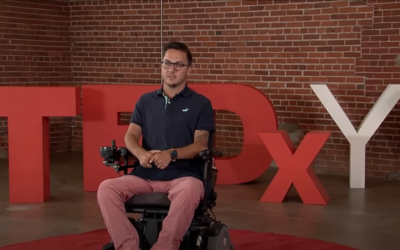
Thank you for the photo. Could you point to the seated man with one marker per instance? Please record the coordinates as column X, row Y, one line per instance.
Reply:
column 175, row 122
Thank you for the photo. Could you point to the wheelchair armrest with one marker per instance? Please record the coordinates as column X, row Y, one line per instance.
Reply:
column 207, row 155
column 216, row 153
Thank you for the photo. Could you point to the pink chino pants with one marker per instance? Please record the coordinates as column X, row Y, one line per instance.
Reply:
column 184, row 193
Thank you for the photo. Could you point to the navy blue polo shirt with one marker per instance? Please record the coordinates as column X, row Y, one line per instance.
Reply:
column 171, row 123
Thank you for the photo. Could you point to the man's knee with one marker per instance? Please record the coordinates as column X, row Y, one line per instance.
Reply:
column 105, row 188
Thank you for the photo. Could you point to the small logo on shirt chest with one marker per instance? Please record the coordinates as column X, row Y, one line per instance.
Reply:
column 185, row 110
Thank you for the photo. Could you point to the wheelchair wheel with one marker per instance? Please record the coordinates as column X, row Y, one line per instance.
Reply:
column 221, row 240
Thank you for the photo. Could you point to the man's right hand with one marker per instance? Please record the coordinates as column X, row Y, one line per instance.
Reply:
column 145, row 156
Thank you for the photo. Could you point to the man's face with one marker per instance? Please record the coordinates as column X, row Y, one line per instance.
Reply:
column 174, row 69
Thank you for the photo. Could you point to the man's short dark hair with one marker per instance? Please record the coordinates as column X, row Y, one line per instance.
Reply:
column 178, row 46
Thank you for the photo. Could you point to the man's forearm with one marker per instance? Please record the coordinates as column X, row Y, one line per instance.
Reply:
column 131, row 143
column 200, row 143
column 191, row 151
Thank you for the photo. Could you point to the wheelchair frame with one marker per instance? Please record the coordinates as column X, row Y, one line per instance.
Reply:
column 204, row 224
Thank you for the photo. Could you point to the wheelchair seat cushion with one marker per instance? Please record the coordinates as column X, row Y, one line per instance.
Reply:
column 152, row 200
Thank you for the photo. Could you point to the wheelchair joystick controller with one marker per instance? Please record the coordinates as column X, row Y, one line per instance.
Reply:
column 112, row 156
column 109, row 154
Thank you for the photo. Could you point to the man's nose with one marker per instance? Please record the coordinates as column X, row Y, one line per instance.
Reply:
column 172, row 68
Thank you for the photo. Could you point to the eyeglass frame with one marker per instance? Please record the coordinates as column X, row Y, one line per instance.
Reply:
column 177, row 64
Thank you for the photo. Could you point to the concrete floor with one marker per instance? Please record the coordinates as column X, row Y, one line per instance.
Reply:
column 367, row 219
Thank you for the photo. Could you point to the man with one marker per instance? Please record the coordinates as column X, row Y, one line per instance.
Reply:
column 175, row 123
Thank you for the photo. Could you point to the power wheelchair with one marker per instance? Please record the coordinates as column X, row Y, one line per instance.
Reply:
column 204, row 233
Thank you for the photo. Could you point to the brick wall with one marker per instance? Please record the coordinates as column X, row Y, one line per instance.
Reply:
column 279, row 47
column 114, row 42
column 35, row 51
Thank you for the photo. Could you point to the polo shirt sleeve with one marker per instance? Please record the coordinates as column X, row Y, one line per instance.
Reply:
column 206, row 119
column 137, row 114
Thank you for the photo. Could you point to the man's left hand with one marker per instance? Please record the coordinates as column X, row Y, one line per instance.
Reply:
column 161, row 159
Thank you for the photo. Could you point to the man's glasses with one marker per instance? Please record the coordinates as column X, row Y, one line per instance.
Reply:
column 177, row 66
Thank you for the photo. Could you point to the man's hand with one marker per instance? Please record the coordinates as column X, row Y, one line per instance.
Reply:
column 161, row 159
column 145, row 158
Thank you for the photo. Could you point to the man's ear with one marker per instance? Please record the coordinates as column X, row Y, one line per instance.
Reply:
column 189, row 70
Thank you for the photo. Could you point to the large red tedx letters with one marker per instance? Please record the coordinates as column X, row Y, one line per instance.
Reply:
column 101, row 107
column 294, row 167
column 28, row 110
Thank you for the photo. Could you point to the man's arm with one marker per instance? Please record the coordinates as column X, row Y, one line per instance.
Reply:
column 205, row 124
column 134, row 131
column 132, row 138
column 200, row 143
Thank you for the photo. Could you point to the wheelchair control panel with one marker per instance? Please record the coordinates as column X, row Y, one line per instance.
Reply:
column 113, row 155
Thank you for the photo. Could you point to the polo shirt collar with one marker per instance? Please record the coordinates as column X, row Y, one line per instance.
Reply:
column 185, row 92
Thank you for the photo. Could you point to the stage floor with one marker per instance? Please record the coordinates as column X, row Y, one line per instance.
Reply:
column 367, row 219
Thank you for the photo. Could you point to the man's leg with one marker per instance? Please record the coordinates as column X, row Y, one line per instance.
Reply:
column 185, row 195
column 111, row 197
